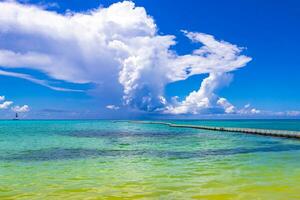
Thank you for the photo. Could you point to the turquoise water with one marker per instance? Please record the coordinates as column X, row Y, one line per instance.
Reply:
column 121, row 160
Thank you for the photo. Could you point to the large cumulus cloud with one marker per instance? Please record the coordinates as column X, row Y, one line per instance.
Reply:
column 119, row 50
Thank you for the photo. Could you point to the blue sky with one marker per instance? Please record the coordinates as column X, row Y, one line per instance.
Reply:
column 267, row 32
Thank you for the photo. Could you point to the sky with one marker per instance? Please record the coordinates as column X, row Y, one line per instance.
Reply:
column 149, row 59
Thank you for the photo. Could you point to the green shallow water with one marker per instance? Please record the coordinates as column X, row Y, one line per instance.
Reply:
column 108, row 160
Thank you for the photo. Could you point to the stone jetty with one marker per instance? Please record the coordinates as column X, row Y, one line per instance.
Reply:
column 263, row 132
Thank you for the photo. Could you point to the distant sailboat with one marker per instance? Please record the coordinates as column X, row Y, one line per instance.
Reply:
column 16, row 117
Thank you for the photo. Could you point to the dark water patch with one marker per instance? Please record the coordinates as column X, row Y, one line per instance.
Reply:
column 106, row 134
column 268, row 142
column 65, row 154
column 222, row 152
column 124, row 144
column 234, row 151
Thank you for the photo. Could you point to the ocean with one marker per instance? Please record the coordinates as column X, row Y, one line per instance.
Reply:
column 103, row 159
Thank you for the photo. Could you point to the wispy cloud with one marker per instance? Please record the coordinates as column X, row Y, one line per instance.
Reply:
column 37, row 81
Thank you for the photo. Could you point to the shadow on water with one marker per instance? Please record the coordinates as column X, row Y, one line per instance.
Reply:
column 117, row 134
column 65, row 154
column 171, row 134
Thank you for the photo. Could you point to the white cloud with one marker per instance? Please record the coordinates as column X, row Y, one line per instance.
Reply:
column 287, row 113
column 254, row 111
column 119, row 50
column 247, row 106
column 248, row 110
column 228, row 107
column 205, row 98
column 293, row 113
column 21, row 109
column 112, row 107
column 5, row 104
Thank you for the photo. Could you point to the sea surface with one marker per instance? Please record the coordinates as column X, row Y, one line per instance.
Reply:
column 97, row 159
